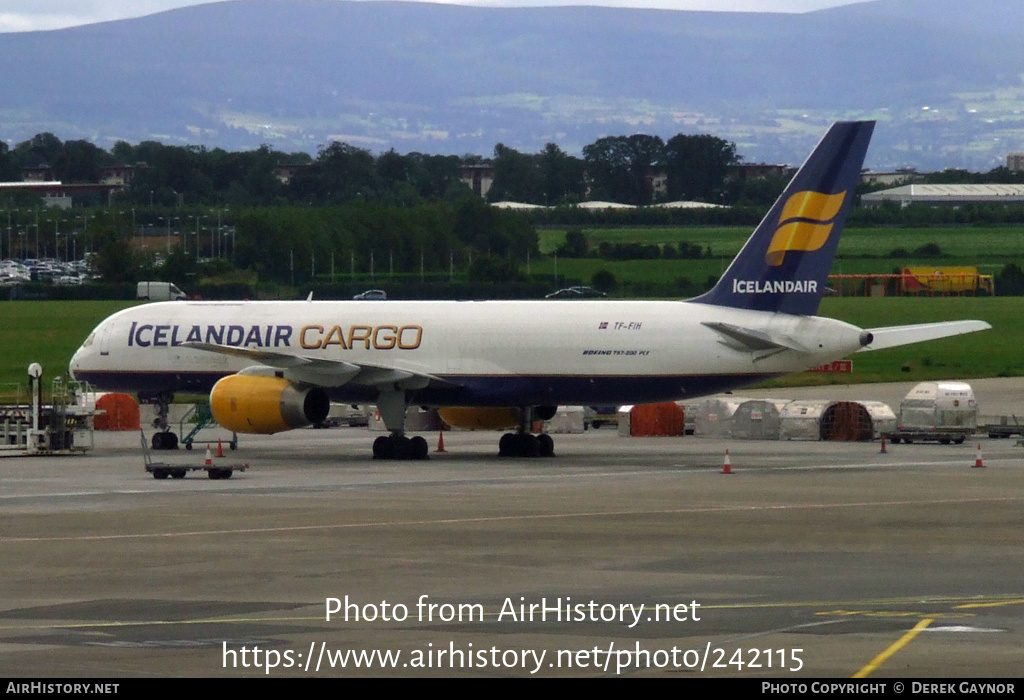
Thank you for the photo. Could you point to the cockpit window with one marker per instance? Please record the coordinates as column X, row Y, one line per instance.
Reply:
column 88, row 341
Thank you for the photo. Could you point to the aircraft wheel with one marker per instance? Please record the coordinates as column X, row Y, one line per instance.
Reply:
column 418, row 448
column 546, row 444
column 401, row 449
column 382, row 448
column 164, row 440
column 506, row 445
column 531, row 446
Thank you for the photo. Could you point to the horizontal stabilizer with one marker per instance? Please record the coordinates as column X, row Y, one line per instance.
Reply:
column 894, row 336
column 750, row 339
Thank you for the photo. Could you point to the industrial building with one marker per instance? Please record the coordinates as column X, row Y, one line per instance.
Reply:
column 947, row 195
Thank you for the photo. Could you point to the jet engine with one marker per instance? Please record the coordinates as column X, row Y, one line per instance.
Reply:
column 265, row 405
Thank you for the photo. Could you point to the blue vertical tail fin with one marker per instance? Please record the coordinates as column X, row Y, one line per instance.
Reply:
column 784, row 265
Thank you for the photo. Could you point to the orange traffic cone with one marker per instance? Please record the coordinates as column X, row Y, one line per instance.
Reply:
column 978, row 464
column 883, row 451
column 209, row 458
column 440, row 441
column 220, row 448
column 727, row 465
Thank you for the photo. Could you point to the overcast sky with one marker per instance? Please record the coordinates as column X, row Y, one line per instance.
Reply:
column 29, row 15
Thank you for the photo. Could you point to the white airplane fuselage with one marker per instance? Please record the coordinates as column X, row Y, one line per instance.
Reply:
column 273, row 366
column 476, row 353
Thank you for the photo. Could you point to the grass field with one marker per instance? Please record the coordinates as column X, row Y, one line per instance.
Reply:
column 50, row 332
column 47, row 332
column 961, row 242
column 861, row 250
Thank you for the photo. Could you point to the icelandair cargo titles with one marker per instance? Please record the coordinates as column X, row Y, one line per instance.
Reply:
column 273, row 366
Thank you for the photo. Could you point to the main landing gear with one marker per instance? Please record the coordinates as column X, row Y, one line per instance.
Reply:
column 391, row 404
column 400, row 447
column 163, row 439
column 526, row 445
column 522, row 443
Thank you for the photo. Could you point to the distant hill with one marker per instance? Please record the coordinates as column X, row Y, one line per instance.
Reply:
column 942, row 75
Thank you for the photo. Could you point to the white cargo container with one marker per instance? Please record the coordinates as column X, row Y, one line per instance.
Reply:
column 758, row 419
column 567, row 420
column 939, row 412
column 714, row 416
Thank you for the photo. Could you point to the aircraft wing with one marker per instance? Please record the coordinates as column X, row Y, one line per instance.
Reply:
column 894, row 336
column 327, row 373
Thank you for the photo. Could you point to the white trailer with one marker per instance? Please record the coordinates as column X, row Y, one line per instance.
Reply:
column 937, row 412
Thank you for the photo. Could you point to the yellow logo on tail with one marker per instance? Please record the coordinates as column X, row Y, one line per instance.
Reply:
column 805, row 223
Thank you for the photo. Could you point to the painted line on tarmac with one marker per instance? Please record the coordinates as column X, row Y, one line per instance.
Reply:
column 1018, row 601
column 893, row 648
column 201, row 486
column 733, row 458
column 511, row 518
column 862, row 465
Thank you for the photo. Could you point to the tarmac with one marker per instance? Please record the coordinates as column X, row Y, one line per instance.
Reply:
column 617, row 557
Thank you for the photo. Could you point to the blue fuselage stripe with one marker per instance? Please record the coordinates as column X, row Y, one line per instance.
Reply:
column 471, row 390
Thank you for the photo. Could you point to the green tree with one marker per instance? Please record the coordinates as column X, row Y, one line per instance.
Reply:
column 41, row 149
column 561, row 175
column 516, row 177
column 604, row 281
column 80, row 161
column 8, row 166
column 620, row 168
column 1010, row 281
column 489, row 268
column 698, row 166
column 115, row 260
column 575, row 245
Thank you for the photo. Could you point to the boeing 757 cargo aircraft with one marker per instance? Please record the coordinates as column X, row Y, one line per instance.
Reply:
column 276, row 365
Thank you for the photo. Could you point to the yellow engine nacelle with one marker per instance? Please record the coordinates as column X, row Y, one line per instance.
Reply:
column 265, row 405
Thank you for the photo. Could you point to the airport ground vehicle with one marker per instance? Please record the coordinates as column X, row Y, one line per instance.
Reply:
column 158, row 291
column 163, row 470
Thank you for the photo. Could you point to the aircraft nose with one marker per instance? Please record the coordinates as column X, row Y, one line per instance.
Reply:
column 80, row 360
column 76, row 363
